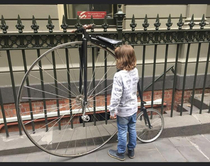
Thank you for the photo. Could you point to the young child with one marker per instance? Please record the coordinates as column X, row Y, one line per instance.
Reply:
column 123, row 102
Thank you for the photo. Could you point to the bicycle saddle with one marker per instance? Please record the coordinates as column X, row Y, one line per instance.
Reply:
column 110, row 41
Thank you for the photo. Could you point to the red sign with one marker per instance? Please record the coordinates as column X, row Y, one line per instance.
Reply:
column 87, row 14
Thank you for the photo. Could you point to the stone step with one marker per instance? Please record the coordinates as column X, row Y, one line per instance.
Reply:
column 187, row 107
column 197, row 100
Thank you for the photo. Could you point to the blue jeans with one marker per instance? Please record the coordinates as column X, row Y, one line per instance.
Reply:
column 126, row 124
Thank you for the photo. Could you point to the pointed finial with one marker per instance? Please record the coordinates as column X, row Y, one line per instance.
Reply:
column 133, row 24
column 50, row 25
column 3, row 25
column 180, row 23
column 34, row 25
column 202, row 23
column 64, row 25
column 19, row 25
column 105, row 25
column 191, row 24
column 119, row 10
column 157, row 23
column 169, row 23
column 78, row 24
column 145, row 24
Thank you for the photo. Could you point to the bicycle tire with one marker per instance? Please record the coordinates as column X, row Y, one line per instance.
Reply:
column 144, row 134
column 56, row 136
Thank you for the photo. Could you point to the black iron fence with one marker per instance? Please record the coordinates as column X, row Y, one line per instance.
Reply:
column 13, row 43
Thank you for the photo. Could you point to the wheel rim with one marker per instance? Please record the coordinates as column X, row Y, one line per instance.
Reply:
column 144, row 133
column 54, row 124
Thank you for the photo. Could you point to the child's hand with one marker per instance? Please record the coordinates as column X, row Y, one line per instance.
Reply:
column 113, row 117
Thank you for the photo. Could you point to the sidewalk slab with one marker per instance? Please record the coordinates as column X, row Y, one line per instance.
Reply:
column 15, row 158
column 202, row 118
column 192, row 154
column 86, row 158
column 201, row 144
column 38, row 157
column 14, row 141
column 207, row 136
column 151, row 155
column 154, row 153
column 147, row 146
column 166, row 148
column 176, row 126
column 102, row 154
column 180, row 121
column 180, row 141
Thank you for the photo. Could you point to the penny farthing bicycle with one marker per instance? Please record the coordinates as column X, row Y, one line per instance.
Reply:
column 69, row 97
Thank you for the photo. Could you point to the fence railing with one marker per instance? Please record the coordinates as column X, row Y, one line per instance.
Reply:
column 180, row 85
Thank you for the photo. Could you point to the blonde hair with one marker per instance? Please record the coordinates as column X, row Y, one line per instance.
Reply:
column 125, row 57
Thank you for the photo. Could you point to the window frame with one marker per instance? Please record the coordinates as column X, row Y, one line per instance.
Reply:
column 72, row 21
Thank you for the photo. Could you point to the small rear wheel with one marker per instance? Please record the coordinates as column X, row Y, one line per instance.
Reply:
column 146, row 134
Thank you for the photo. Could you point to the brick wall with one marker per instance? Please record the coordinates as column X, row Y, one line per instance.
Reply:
column 38, row 107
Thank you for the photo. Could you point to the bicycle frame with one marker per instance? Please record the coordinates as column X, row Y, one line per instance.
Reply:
column 83, row 61
column 83, row 64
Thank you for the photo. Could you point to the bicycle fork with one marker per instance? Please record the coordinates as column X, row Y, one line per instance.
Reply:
column 83, row 72
column 146, row 117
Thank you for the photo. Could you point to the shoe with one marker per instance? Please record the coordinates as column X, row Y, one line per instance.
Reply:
column 131, row 154
column 116, row 155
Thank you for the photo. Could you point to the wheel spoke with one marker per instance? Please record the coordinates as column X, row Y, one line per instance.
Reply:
column 94, row 73
column 43, row 114
column 53, row 86
column 55, row 80
column 67, row 70
column 100, row 82
column 46, row 92
column 102, row 91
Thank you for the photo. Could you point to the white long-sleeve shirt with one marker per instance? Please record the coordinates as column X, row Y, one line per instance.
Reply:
column 123, row 100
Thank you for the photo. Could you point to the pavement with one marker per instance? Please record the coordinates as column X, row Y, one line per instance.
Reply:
column 185, row 138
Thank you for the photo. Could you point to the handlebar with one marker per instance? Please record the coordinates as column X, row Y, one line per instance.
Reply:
column 84, row 27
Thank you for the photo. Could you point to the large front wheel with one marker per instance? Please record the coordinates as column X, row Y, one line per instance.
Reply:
column 51, row 100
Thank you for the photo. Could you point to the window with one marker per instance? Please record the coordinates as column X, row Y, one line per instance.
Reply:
column 84, row 11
